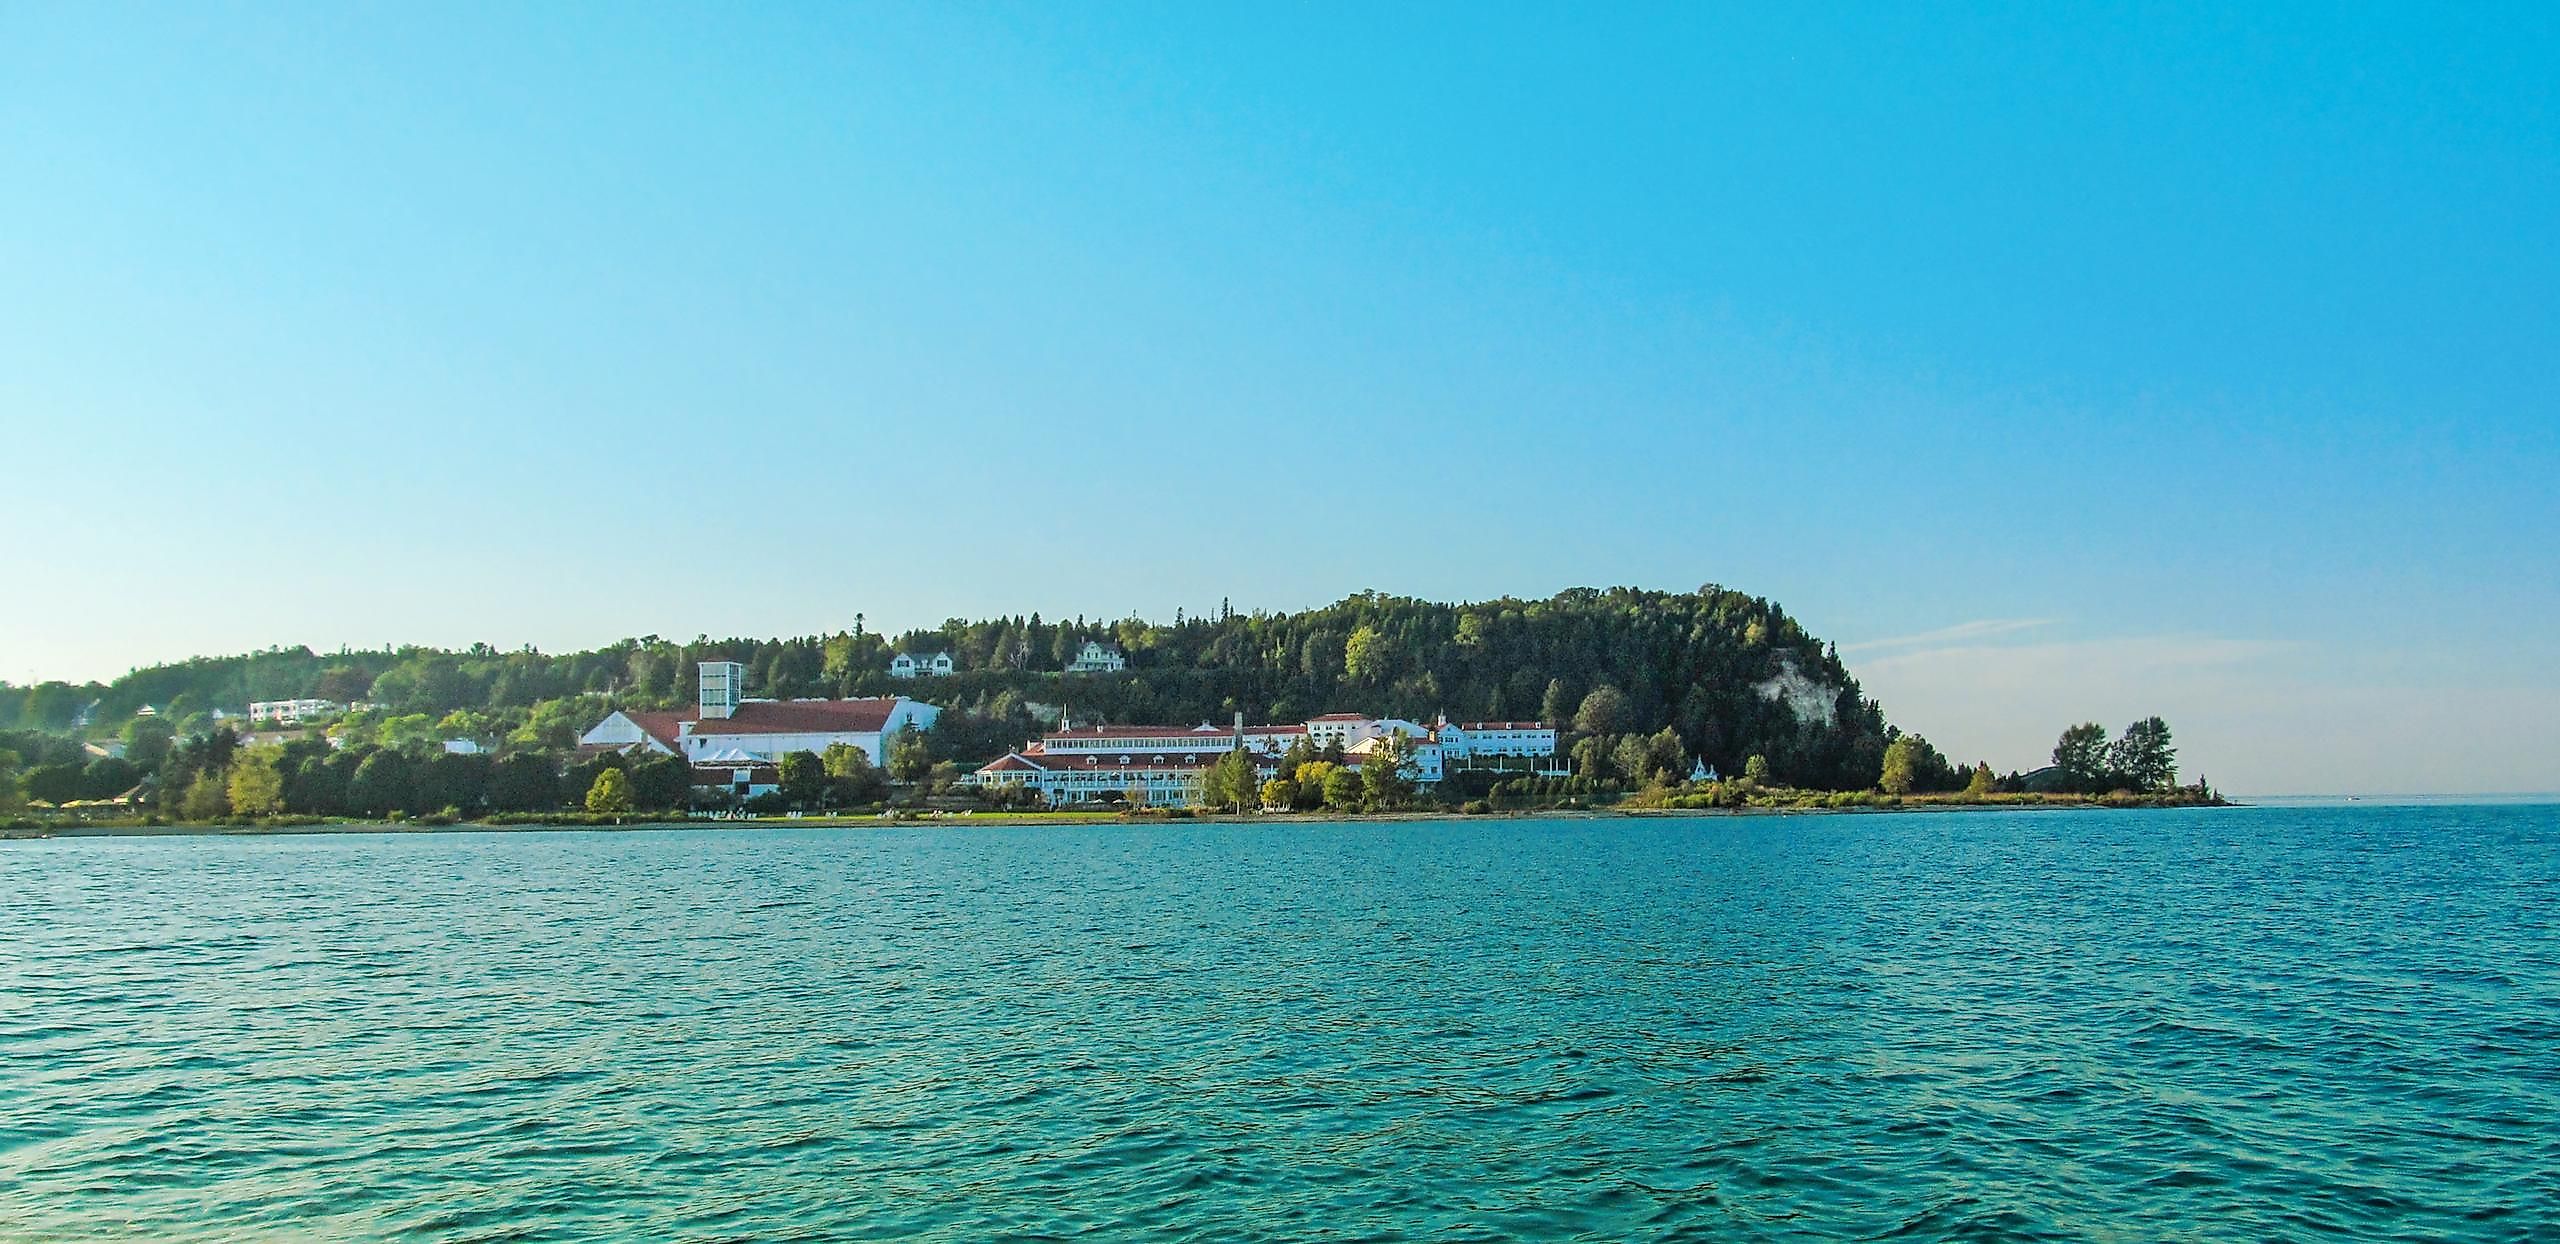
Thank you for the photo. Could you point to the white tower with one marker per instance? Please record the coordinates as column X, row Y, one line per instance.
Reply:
column 723, row 683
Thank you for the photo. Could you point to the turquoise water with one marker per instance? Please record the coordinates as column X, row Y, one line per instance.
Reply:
column 2242, row 1024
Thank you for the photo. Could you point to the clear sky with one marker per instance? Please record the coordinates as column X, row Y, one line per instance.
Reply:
column 2059, row 361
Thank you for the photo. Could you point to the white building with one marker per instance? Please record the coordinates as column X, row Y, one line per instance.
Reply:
column 1097, row 658
column 1464, row 741
column 292, row 712
column 724, row 725
column 1348, row 730
column 1082, row 764
column 1422, row 758
column 1160, row 778
column 910, row 665
column 741, row 778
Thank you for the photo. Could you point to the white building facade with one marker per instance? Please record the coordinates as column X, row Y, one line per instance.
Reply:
column 291, row 712
column 927, row 665
column 724, row 726
column 1097, row 658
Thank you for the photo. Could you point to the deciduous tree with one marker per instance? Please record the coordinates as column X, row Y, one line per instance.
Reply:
column 611, row 795
column 2081, row 755
column 256, row 787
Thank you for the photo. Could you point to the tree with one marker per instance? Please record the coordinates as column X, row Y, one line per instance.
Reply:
column 1604, row 711
column 527, row 782
column 147, row 741
column 54, row 784
column 1230, row 782
column 1755, row 771
column 1590, row 756
column 851, row 777
column 381, row 784
column 2143, row 759
column 1556, row 707
column 611, row 795
column 1981, row 783
column 13, row 797
column 107, row 777
column 1899, row 758
column 1386, row 778
column 205, row 798
column 1343, row 789
column 1666, row 755
column 2081, row 755
column 661, row 783
column 1366, row 656
column 910, row 760
column 256, row 787
column 1632, row 758
column 803, row 778
column 1280, row 792
column 1311, row 779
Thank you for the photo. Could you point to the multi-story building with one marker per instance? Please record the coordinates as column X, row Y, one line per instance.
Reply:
column 1464, row 741
column 1097, row 658
column 928, row 665
column 292, row 712
column 724, row 726
column 1084, row 763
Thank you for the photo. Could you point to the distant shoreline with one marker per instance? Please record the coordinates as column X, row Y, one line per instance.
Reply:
column 1037, row 819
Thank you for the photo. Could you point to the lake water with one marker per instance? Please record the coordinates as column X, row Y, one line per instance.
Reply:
column 2241, row 1024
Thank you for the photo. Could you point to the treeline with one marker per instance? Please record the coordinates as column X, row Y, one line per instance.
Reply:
column 1732, row 675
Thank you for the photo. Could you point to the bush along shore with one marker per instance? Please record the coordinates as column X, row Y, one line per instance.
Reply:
column 219, row 783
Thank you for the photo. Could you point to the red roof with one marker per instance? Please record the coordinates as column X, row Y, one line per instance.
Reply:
column 755, row 717
column 1141, row 732
column 799, row 717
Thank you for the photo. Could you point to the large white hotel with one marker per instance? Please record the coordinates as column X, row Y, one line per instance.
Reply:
column 1164, row 764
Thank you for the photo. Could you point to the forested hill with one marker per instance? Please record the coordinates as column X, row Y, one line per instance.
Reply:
column 1732, row 674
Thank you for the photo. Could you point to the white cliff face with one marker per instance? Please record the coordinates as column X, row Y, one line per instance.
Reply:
column 1807, row 699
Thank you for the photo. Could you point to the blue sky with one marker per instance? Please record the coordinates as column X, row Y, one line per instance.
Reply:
column 2058, row 361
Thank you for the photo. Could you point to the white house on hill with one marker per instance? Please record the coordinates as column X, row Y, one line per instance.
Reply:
column 723, row 726
column 927, row 665
column 1097, row 658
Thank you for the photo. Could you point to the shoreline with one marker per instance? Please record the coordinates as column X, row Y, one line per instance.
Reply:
column 1044, row 819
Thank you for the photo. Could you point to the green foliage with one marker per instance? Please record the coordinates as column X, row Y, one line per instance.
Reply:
column 2142, row 759
column 107, row 777
column 1230, row 782
column 1386, row 777
column 803, row 779
column 611, row 794
column 910, row 757
column 1344, row 790
column 1981, row 783
column 1899, row 758
column 1690, row 661
column 256, row 787
column 1604, row 711
column 57, row 783
column 661, row 783
column 1755, row 771
column 852, row 778
column 2081, row 756
column 1280, row 792
column 381, row 783
column 206, row 798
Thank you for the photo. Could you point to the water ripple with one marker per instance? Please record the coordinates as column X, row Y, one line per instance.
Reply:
column 2246, row 1024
